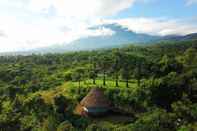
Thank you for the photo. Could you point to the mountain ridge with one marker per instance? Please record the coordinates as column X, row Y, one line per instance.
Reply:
column 120, row 38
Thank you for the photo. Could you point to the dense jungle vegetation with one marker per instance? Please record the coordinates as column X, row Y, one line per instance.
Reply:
column 156, row 85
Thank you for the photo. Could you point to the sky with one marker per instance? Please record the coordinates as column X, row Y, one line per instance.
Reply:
column 28, row 24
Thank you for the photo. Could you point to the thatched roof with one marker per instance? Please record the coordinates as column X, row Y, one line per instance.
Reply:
column 95, row 98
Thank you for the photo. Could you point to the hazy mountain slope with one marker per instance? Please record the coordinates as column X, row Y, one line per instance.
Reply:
column 121, row 37
column 192, row 36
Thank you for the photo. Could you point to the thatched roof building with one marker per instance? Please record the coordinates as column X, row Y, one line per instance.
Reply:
column 95, row 103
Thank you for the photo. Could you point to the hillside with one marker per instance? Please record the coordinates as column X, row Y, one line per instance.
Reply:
column 121, row 37
column 145, row 84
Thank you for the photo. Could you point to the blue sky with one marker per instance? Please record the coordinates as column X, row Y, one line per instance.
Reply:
column 161, row 8
column 27, row 24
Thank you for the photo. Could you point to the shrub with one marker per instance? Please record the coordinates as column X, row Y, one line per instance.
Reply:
column 65, row 126
column 156, row 120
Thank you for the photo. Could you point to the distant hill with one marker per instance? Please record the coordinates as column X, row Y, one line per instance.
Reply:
column 121, row 37
column 192, row 36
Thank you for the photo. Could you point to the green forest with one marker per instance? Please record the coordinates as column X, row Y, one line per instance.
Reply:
column 153, row 86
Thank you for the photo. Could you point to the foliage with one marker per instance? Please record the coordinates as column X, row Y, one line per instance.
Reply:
column 156, row 85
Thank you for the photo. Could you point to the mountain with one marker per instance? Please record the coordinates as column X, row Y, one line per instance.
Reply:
column 122, row 36
column 192, row 36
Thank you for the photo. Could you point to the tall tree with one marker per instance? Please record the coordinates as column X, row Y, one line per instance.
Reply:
column 140, row 68
column 105, row 64
column 126, row 68
column 116, row 65
column 169, row 64
column 78, row 75
column 190, row 58
column 93, row 69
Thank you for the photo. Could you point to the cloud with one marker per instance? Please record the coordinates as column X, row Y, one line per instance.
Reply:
column 31, row 24
column 39, row 23
column 47, row 32
column 89, row 32
column 156, row 26
column 80, row 8
column 44, row 32
column 191, row 2
column 2, row 33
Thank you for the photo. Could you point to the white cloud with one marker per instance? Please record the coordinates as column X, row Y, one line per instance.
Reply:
column 156, row 26
column 37, row 23
column 2, row 34
column 81, row 8
column 191, row 2
column 31, row 24
column 45, row 32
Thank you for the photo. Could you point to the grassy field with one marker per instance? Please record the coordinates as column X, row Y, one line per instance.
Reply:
column 66, row 88
column 99, row 83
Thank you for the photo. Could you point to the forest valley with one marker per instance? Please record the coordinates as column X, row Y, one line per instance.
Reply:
column 155, row 85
